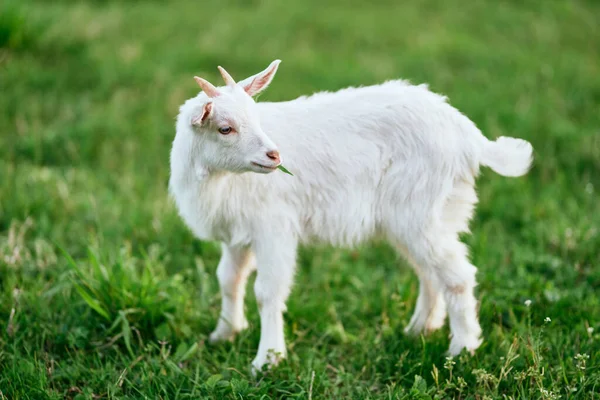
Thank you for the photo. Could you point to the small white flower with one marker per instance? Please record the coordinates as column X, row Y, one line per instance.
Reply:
column 527, row 302
column 549, row 394
column 580, row 361
column 547, row 320
column 449, row 364
column 590, row 330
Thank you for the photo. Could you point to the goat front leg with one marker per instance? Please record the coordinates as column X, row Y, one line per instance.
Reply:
column 236, row 264
column 276, row 259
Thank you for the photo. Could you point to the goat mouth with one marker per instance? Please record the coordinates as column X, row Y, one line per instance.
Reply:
column 270, row 168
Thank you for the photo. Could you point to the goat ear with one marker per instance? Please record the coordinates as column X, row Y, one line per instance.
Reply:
column 200, row 118
column 259, row 82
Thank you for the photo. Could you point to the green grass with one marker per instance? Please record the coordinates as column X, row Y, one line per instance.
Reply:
column 89, row 92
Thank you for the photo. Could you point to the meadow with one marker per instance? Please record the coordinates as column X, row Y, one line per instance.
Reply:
column 104, row 294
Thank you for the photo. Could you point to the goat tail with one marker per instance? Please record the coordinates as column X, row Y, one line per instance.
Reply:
column 508, row 156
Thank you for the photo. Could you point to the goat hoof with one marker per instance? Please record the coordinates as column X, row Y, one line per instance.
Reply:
column 224, row 332
column 270, row 360
column 216, row 337
column 470, row 344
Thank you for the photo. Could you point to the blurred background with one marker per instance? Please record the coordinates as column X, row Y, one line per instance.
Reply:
column 105, row 294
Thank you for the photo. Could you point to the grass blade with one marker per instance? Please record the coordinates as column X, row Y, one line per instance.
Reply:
column 284, row 169
column 126, row 330
column 93, row 303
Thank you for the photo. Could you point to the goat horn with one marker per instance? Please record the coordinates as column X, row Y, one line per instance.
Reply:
column 207, row 87
column 229, row 81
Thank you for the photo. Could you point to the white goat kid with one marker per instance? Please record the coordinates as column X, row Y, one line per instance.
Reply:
column 392, row 160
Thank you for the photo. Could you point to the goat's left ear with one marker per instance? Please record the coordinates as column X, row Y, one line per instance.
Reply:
column 259, row 82
column 199, row 118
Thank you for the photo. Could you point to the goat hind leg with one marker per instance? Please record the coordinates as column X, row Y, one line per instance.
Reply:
column 430, row 309
column 445, row 259
column 458, row 280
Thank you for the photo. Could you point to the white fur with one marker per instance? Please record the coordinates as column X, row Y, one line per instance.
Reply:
column 392, row 160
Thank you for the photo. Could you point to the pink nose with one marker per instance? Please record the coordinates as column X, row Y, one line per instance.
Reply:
column 273, row 155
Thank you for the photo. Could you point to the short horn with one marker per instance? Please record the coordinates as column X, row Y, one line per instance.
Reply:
column 229, row 81
column 207, row 87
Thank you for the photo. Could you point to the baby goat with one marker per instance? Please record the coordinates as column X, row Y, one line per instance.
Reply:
column 392, row 160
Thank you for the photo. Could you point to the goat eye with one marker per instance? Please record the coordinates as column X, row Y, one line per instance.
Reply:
column 225, row 130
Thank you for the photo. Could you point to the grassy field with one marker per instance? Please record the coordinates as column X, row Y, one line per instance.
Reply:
column 88, row 95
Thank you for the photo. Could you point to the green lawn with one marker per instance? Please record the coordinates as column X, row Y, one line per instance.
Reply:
column 88, row 95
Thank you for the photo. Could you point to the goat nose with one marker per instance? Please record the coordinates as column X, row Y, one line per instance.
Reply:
column 273, row 155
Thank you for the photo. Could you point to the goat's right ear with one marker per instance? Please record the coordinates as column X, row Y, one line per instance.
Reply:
column 200, row 118
column 259, row 82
